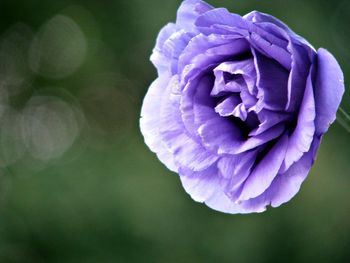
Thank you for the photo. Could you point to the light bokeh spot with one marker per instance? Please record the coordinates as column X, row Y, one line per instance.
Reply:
column 58, row 49
column 49, row 127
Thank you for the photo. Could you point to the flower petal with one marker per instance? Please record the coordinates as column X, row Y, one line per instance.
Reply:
column 285, row 186
column 189, row 11
column 173, row 47
column 241, row 69
column 220, row 16
column 186, row 150
column 298, row 75
column 265, row 171
column 206, row 50
column 208, row 186
column 259, row 17
column 272, row 82
column 268, row 119
column 232, row 105
column 329, row 90
column 301, row 138
column 158, row 58
column 150, row 121
column 204, row 184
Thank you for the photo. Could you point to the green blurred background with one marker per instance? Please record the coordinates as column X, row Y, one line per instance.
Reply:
column 78, row 183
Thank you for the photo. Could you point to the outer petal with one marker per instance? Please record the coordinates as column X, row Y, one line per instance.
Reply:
column 270, row 50
column 288, row 184
column 174, row 46
column 209, row 187
column 221, row 202
column 189, row 11
column 158, row 58
column 204, row 184
column 220, row 16
column 259, row 17
column 329, row 90
column 150, row 121
column 285, row 186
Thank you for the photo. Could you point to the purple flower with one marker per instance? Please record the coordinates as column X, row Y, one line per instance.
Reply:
column 239, row 107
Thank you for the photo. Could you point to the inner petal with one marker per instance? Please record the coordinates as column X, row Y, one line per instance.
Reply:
column 232, row 105
column 233, row 75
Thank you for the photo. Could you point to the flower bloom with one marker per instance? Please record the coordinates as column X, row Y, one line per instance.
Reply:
column 239, row 106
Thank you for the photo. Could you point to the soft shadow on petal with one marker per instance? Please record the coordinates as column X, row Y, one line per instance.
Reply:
column 285, row 186
column 239, row 167
column 272, row 82
column 244, row 69
column 265, row 171
column 260, row 139
column 329, row 90
column 288, row 184
column 231, row 105
column 299, row 73
column 268, row 119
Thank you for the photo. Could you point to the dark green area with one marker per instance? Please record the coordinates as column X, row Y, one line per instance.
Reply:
column 108, row 198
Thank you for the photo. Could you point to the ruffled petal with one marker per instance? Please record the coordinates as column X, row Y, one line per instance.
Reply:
column 158, row 58
column 205, row 50
column 220, row 16
column 150, row 121
column 232, row 105
column 173, row 47
column 259, row 17
column 224, row 138
column 270, row 50
column 329, row 90
column 232, row 76
column 189, row 11
column 186, row 150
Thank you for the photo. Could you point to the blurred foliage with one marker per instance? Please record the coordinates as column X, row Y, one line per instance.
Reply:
column 79, row 185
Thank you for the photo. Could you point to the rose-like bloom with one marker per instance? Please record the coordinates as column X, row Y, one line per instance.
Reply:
column 239, row 107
